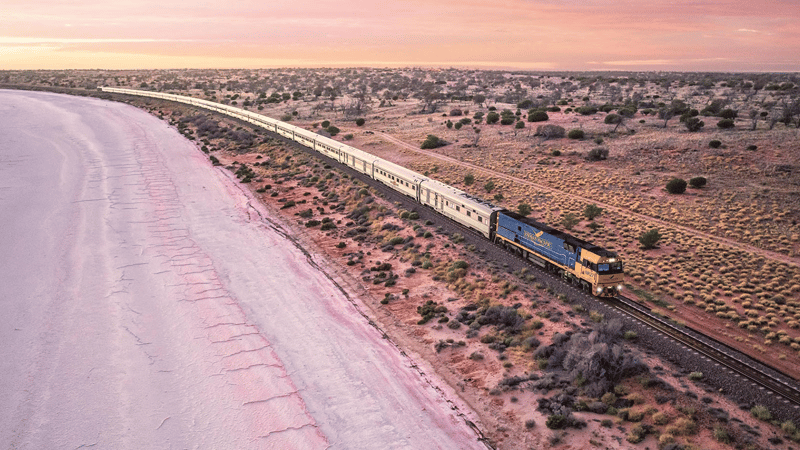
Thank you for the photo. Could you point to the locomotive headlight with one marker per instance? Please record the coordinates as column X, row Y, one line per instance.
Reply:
column 612, row 260
column 599, row 290
column 619, row 288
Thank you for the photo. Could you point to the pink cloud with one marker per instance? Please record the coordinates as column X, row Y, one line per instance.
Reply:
column 562, row 34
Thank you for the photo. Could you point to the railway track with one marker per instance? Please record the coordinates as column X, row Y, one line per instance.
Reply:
column 713, row 350
column 765, row 377
column 739, row 364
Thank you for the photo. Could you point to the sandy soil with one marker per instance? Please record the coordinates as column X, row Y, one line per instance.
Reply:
column 150, row 304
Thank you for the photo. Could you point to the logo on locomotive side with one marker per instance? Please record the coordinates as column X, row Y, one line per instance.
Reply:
column 537, row 239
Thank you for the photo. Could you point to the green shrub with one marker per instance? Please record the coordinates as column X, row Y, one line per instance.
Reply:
column 714, row 143
column 608, row 398
column 694, row 124
column 613, row 119
column 332, row 130
column 630, row 335
column 586, row 110
column 469, row 179
column 360, row 121
column 676, row 186
column 326, row 123
column 556, row 422
column 725, row 124
column 432, row 142
column 761, row 412
column 576, row 133
column 721, row 435
column 695, row 376
column 597, row 154
column 556, row 152
column 492, row 118
column 537, row 116
column 591, row 211
column 524, row 209
column 698, row 182
column 650, row 238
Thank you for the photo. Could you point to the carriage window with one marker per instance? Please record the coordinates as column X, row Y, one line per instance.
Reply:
column 469, row 214
column 458, row 208
column 480, row 219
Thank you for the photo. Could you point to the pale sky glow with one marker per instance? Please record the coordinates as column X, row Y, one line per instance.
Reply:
column 680, row 35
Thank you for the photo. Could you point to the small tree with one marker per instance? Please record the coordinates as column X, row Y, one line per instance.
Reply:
column 332, row 130
column 524, row 209
column 694, row 124
column 432, row 142
column 479, row 99
column 569, row 221
column 591, row 211
column 698, row 182
column 326, row 123
column 676, row 186
column 489, row 186
column 492, row 118
column 469, row 179
column 650, row 238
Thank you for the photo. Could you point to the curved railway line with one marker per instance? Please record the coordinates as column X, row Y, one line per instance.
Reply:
column 719, row 354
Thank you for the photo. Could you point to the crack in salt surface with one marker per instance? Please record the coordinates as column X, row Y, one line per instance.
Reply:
column 265, row 436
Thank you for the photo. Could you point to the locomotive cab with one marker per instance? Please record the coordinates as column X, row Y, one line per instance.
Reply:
column 601, row 271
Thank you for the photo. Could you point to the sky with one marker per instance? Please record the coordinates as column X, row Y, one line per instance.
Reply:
column 551, row 35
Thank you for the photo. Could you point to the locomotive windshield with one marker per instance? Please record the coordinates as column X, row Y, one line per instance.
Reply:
column 615, row 267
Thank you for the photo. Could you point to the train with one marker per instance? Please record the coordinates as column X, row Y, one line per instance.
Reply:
column 590, row 267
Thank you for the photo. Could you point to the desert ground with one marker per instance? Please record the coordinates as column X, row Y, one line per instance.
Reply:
column 727, row 262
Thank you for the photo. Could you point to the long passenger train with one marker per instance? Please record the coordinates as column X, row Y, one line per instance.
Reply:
column 595, row 269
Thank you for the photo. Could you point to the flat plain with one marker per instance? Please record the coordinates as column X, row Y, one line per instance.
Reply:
column 727, row 262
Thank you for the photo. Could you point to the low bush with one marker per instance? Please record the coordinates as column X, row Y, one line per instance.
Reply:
column 432, row 142
column 650, row 238
column 586, row 110
column 556, row 422
column 726, row 124
column 714, row 143
column 676, row 186
column 360, row 121
column 537, row 116
column 550, row 131
column 576, row 133
column 698, row 182
column 597, row 154
column 761, row 412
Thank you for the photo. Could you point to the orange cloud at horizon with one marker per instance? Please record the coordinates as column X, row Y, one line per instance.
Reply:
column 683, row 35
